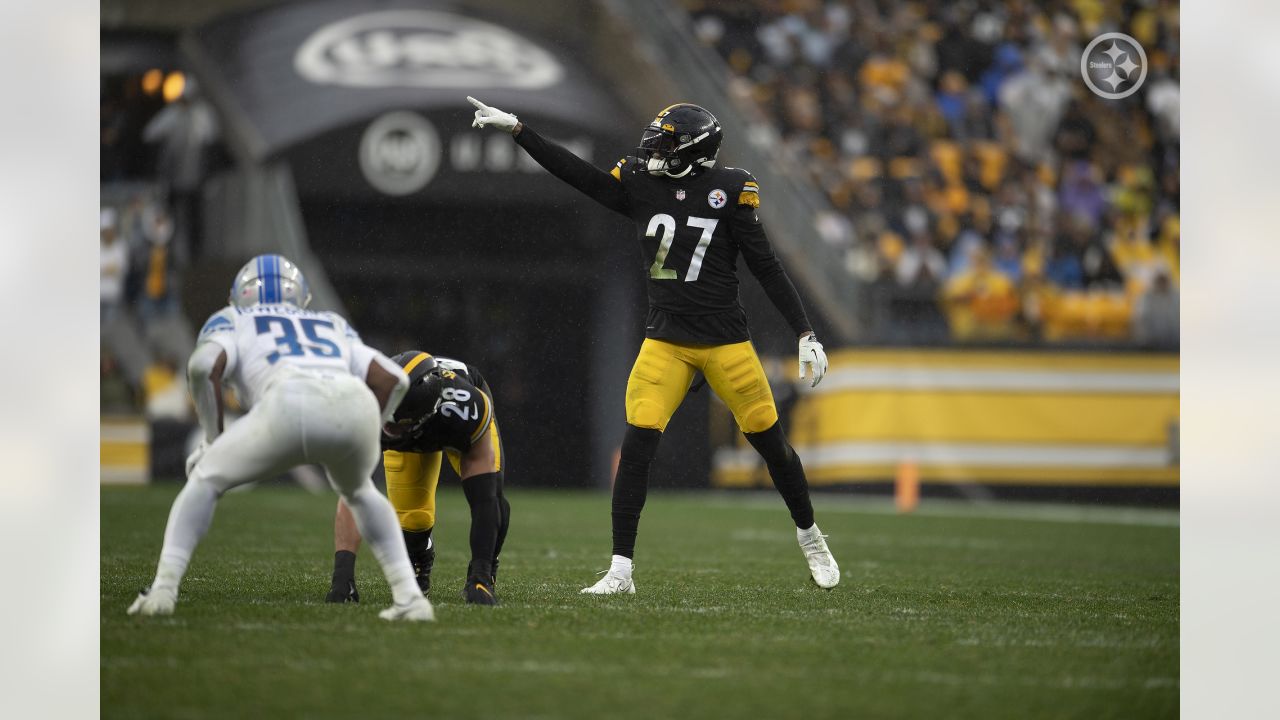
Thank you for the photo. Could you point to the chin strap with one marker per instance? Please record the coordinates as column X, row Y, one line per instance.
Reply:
column 657, row 166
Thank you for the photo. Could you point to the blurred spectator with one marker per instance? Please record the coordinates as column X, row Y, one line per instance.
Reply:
column 1035, row 100
column 1076, row 135
column 1156, row 313
column 982, row 302
column 921, row 263
column 1081, row 195
column 123, row 350
column 114, row 262
column 184, row 130
column 167, row 331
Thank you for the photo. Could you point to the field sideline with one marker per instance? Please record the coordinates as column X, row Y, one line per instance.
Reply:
column 951, row 612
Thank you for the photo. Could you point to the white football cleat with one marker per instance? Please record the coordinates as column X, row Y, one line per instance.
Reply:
column 822, row 565
column 613, row 583
column 154, row 601
column 418, row 609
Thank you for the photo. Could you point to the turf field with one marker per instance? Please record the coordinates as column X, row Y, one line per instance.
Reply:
column 950, row 613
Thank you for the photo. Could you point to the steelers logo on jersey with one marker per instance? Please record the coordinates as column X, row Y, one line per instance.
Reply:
column 717, row 198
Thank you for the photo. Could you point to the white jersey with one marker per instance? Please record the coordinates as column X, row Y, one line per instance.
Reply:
column 262, row 340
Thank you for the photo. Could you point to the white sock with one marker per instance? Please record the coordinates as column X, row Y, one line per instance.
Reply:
column 620, row 565
column 808, row 533
column 376, row 520
column 189, row 520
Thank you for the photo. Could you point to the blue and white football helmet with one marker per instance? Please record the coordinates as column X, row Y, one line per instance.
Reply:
column 269, row 279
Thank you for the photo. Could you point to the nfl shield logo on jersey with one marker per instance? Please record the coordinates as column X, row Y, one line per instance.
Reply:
column 680, row 194
column 716, row 198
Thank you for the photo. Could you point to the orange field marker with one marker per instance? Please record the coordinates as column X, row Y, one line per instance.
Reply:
column 906, row 486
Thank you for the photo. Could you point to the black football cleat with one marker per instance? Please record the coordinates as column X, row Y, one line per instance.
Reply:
column 343, row 592
column 479, row 591
column 423, row 561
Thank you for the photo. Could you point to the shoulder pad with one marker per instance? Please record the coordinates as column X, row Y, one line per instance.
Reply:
column 747, row 188
column 220, row 321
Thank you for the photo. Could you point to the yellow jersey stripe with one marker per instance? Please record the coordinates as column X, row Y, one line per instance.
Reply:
column 415, row 362
column 487, row 418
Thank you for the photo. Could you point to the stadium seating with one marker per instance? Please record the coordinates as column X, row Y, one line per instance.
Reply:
column 938, row 115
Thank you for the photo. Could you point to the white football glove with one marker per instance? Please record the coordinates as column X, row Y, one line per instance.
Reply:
column 813, row 358
column 195, row 455
column 486, row 116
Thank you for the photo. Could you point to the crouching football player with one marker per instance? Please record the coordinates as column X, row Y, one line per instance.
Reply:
column 448, row 411
column 315, row 393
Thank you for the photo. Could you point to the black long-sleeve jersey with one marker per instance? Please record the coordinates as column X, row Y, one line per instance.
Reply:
column 691, row 231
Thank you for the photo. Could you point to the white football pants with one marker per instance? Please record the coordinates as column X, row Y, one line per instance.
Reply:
column 327, row 419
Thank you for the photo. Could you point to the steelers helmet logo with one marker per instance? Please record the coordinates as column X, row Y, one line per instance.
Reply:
column 717, row 198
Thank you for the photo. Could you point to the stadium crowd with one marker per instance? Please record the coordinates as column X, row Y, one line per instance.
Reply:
column 980, row 191
column 154, row 134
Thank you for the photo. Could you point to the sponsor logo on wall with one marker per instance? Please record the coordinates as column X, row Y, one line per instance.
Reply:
column 423, row 48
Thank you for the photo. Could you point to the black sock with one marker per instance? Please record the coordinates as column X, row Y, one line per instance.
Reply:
column 504, row 522
column 482, row 495
column 416, row 541
column 786, row 471
column 631, row 485
column 344, row 567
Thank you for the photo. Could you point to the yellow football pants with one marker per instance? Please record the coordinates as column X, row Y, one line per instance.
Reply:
column 663, row 371
column 412, row 479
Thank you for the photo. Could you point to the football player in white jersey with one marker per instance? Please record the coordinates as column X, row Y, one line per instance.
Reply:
column 318, row 395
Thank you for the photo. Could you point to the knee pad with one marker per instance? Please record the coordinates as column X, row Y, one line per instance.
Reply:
column 417, row 520
column 758, row 417
column 644, row 413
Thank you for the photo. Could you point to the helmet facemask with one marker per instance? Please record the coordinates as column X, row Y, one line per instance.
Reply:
column 681, row 139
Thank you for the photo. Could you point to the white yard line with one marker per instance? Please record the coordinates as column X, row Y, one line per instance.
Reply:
column 1012, row 510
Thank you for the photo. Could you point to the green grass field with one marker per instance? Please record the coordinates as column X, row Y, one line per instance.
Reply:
column 959, row 613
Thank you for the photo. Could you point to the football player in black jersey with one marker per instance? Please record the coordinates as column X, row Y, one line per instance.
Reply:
column 694, row 219
column 447, row 411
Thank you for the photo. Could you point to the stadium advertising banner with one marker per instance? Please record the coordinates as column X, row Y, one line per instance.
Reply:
column 367, row 100
column 983, row 417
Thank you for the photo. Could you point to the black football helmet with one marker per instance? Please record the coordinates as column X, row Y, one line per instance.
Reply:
column 682, row 138
column 421, row 400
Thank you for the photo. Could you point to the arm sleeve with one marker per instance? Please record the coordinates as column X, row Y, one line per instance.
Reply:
column 203, row 392
column 764, row 264
column 363, row 356
column 603, row 187
column 217, row 336
column 402, row 382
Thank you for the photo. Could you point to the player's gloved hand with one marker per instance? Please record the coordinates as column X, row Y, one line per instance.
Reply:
column 486, row 116
column 813, row 358
column 195, row 455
